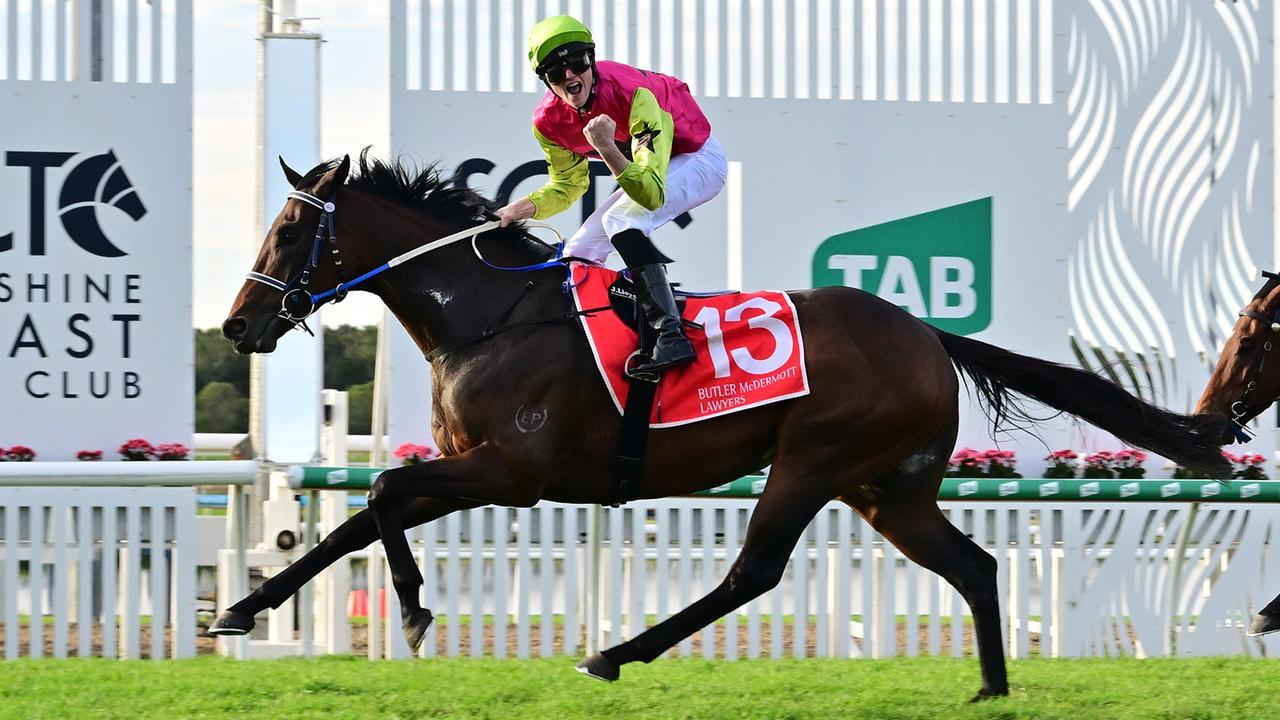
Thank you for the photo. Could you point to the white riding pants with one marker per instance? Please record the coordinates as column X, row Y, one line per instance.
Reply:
column 692, row 179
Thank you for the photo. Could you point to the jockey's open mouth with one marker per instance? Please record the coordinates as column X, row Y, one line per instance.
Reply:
column 574, row 89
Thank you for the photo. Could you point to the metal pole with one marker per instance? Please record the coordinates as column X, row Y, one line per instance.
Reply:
column 1175, row 578
column 237, row 501
column 593, row 604
column 306, row 604
column 381, row 377
column 257, row 369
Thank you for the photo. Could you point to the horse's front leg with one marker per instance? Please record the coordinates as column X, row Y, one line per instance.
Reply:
column 353, row 534
column 477, row 475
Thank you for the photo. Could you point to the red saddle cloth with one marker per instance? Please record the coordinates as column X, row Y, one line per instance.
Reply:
column 749, row 353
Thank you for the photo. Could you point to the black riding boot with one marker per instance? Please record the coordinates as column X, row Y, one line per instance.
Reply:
column 658, row 303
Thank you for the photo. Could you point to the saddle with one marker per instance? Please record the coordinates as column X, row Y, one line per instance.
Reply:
column 757, row 358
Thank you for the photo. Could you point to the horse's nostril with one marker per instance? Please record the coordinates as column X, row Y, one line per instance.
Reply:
column 234, row 328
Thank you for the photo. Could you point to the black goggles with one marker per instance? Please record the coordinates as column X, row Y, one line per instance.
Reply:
column 578, row 62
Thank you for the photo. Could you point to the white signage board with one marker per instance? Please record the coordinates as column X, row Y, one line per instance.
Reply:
column 96, row 342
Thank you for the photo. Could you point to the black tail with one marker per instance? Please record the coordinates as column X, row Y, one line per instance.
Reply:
column 1189, row 440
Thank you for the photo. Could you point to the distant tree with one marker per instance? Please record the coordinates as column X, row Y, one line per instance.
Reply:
column 216, row 361
column 360, row 409
column 349, row 354
column 221, row 408
column 222, row 377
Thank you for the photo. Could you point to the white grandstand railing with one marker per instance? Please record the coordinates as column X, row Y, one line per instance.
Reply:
column 972, row 51
column 116, row 41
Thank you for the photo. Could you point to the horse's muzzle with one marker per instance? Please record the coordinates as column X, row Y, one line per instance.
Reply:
column 236, row 329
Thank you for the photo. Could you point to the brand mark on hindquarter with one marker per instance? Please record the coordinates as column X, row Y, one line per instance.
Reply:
column 530, row 419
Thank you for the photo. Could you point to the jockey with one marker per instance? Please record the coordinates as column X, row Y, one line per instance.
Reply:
column 602, row 110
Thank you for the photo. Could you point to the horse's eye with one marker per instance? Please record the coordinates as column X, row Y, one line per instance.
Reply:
column 286, row 236
column 1245, row 346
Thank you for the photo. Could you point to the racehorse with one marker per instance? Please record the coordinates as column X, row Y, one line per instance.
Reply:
column 876, row 431
column 1242, row 386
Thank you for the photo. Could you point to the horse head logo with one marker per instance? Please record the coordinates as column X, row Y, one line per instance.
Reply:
column 97, row 181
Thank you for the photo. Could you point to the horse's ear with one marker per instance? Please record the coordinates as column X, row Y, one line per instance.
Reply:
column 289, row 173
column 340, row 172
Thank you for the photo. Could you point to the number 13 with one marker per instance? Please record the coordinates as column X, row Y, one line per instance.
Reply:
column 709, row 318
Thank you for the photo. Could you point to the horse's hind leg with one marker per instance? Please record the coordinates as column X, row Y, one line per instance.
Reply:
column 918, row 528
column 1267, row 620
column 357, row 532
column 781, row 515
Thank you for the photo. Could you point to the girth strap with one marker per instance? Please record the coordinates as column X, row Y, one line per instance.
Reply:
column 633, row 438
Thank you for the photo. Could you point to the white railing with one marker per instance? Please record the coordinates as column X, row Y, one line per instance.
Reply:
column 1140, row 579
column 113, row 567
column 129, row 474
column 100, row 558
column 1074, row 580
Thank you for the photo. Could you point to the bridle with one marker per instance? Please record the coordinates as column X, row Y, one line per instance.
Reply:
column 298, row 302
column 1242, row 431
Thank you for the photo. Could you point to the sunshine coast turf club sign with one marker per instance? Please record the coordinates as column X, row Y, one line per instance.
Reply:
column 95, row 343
column 95, row 265
column 96, row 184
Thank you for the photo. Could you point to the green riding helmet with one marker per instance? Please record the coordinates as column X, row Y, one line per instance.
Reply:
column 552, row 34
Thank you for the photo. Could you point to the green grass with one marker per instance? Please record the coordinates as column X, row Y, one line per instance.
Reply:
column 685, row 688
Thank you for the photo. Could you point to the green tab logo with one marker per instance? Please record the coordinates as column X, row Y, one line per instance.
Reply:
column 936, row 265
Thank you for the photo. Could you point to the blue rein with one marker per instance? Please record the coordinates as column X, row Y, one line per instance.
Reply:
column 295, row 291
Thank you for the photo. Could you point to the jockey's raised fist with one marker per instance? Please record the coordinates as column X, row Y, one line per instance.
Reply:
column 599, row 131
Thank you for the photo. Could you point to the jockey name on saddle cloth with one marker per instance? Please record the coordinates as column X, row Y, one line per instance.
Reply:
column 749, row 353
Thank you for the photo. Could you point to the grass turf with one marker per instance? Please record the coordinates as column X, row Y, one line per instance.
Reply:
column 341, row 687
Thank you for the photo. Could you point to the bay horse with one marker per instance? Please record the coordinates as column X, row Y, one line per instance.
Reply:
column 876, row 431
column 1242, row 386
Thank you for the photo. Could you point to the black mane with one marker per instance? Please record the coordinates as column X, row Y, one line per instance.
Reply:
column 428, row 191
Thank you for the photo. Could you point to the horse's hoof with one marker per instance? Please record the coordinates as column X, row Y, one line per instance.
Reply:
column 599, row 667
column 415, row 626
column 985, row 694
column 1264, row 624
column 231, row 623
